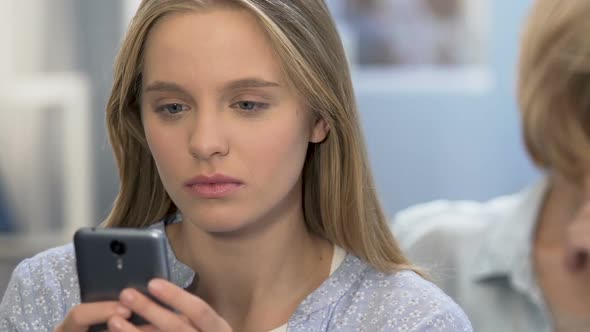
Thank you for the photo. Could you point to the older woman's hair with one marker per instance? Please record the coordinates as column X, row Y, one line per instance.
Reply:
column 554, row 85
column 339, row 198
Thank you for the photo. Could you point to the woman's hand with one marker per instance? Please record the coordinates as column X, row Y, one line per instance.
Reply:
column 84, row 315
column 193, row 313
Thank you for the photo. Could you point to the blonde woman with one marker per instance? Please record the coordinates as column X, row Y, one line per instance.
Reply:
column 235, row 130
column 521, row 262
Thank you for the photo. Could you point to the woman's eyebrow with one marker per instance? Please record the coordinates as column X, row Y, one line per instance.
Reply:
column 166, row 86
column 170, row 87
column 163, row 86
column 249, row 83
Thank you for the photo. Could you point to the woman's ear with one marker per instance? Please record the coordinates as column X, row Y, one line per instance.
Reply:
column 319, row 131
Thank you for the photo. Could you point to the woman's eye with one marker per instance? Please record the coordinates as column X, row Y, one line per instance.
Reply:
column 172, row 108
column 249, row 106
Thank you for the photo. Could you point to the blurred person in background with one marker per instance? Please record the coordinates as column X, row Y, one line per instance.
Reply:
column 236, row 133
column 522, row 262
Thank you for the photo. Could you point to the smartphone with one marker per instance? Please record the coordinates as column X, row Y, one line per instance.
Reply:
column 109, row 260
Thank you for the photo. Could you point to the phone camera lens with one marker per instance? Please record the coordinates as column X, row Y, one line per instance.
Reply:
column 118, row 247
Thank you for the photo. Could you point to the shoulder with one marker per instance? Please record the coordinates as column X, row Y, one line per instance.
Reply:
column 441, row 225
column 41, row 288
column 399, row 301
column 53, row 258
column 51, row 268
column 450, row 217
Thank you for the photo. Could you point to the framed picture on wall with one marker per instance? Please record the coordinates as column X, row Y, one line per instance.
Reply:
column 416, row 44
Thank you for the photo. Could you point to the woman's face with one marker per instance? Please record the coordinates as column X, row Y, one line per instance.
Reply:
column 228, row 134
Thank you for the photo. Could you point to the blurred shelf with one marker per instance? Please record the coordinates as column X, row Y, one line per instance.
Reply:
column 16, row 247
column 408, row 80
column 68, row 95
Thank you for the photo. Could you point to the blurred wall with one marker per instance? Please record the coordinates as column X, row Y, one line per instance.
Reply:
column 100, row 31
column 42, row 38
column 423, row 145
column 456, row 145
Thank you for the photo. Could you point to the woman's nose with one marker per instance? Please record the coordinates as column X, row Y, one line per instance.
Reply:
column 207, row 137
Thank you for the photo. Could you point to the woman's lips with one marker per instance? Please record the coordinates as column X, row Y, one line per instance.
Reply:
column 214, row 190
column 213, row 186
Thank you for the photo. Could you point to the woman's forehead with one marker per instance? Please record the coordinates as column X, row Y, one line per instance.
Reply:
column 221, row 42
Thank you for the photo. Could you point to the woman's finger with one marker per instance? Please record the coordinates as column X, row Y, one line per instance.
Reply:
column 161, row 318
column 199, row 313
column 84, row 315
column 117, row 324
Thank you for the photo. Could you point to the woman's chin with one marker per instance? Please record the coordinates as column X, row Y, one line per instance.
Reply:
column 217, row 225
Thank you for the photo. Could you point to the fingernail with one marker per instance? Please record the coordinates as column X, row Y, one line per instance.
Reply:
column 116, row 323
column 127, row 296
column 155, row 286
column 121, row 310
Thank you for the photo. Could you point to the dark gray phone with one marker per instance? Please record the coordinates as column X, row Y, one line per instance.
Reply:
column 109, row 260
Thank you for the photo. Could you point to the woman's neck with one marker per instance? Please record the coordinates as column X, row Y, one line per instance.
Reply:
column 562, row 201
column 256, row 278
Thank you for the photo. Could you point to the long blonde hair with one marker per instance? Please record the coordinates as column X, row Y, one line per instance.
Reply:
column 339, row 198
column 554, row 85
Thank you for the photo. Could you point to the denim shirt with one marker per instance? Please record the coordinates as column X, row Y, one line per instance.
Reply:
column 481, row 255
column 356, row 297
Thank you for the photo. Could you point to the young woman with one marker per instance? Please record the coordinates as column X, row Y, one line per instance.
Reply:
column 236, row 132
column 520, row 262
